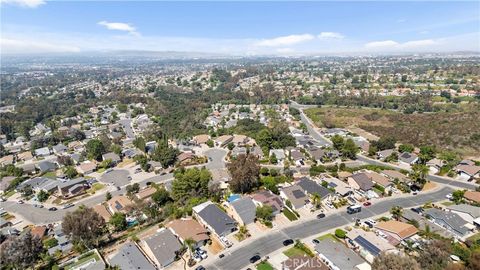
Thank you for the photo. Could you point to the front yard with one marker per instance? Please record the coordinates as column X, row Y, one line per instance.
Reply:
column 264, row 266
column 289, row 214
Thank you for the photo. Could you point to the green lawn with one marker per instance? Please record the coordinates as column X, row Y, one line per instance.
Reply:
column 95, row 187
column 8, row 194
column 291, row 216
column 82, row 261
column 101, row 170
column 292, row 252
column 264, row 266
column 51, row 175
column 327, row 236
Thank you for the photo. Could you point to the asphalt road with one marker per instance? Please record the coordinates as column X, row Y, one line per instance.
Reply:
column 434, row 178
column 238, row 257
column 127, row 127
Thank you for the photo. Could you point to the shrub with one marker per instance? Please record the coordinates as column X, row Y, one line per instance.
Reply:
column 340, row 233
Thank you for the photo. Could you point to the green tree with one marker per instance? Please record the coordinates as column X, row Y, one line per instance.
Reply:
column 264, row 213
column 435, row 255
column 273, row 159
column 210, row 143
column 244, row 171
column 70, row 172
column 165, row 154
column 118, row 221
column 21, row 252
column 95, row 149
column 140, row 143
column 406, row 148
column 419, row 173
column 349, row 149
column 190, row 183
column 458, row 196
column 42, row 196
column 83, row 226
column 397, row 212
column 270, row 183
column 426, row 153
column 338, row 142
column 108, row 196
column 161, row 197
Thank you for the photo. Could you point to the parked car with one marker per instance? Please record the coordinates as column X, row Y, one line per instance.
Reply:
column 38, row 205
column 255, row 258
column 200, row 268
column 321, row 215
column 316, row 241
column 68, row 205
column 367, row 203
column 288, row 242
column 449, row 196
column 221, row 256
column 20, row 202
column 2, row 199
column 417, row 210
column 129, row 178
column 52, row 209
column 138, row 170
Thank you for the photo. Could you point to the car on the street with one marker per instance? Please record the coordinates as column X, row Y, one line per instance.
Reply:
column 321, row 215
column 138, row 170
column 367, row 203
column 255, row 258
column 2, row 199
column 316, row 241
column 68, row 205
column 221, row 256
column 449, row 196
column 20, row 202
column 197, row 257
column 417, row 210
column 200, row 267
column 288, row 242
column 118, row 188
column 38, row 205
column 52, row 209
column 129, row 178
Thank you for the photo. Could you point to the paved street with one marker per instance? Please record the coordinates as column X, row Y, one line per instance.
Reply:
column 127, row 127
column 216, row 158
column 238, row 256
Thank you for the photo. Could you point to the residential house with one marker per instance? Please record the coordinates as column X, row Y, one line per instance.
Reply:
column 279, row 154
column 113, row 157
column 238, row 150
column 338, row 257
column 119, row 203
column 5, row 223
column 29, row 168
column 73, row 187
column 239, row 140
column 467, row 212
column 243, row 210
column 24, row 156
column 341, row 188
column 42, row 152
column 362, row 143
column 162, row 248
column 380, row 180
column 39, row 231
column 129, row 257
column 360, row 181
column 223, row 140
column 6, row 160
column 385, row 153
column 63, row 244
column 146, row 193
column 435, row 165
column 317, row 154
column 297, row 157
column 76, row 146
column 369, row 245
column 407, row 158
column 214, row 219
column 450, row 221
column 257, row 151
column 472, row 196
column 5, row 183
column 34, row 183
column 396, row 231
column 311, row 187
column 185, row 158
column 46, row 166
column 189, row 229
column 59, row 149
column 266, row 197
column 201, row 139
column 87, row 167
column 393, row 174
column 468, row 172
column 102, row 211
column 295, row 195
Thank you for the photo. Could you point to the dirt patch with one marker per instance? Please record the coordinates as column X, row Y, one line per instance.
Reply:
column 429, row 186
column 216, row 247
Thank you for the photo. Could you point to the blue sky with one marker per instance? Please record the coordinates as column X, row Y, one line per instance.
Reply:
column 243, row 28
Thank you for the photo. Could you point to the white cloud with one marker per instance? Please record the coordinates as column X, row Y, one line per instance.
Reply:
column 387, row 45
column 21, row 46
column 401, row 20
column 118, row 26
column 381, row 44
column 330, row 35
column 24, row 3
column 285, row 40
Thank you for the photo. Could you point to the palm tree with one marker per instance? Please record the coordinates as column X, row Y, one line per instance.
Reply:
column 396, row 212
column 317, row 200
column 243, row 230
column 189, row 242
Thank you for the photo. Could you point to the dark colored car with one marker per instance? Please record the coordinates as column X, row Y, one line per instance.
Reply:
column 321, row 215
column 417, row 210
column 367, row 203
column 316, row 241
column 255, row 258
column 221, row 256
column 200, row 268
column 52, row 209
column 288, row 242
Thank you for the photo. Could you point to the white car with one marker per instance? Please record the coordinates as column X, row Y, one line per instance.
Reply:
column 449, row 196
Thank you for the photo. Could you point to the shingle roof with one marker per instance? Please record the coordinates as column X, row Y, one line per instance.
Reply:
column 129, row 257
column 188, row 228
column 363, row 181
column 312, row 187
column 163, row 245
column 215, row 217
column 246, row 209
column 454, row 221
column 403, row 230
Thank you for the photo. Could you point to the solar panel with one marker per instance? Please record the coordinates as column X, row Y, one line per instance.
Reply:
column 367, row 245
column 298, row 194
column 331, row 184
